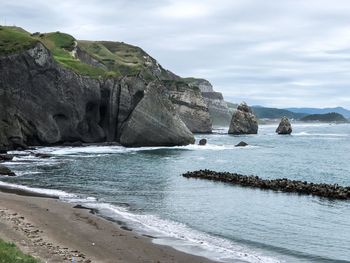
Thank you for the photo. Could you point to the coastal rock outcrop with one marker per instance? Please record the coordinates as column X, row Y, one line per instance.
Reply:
column 43, row 103
column 6, row 157
column 284, row 127
column 217, row 106
column 190, row 105
column 154, row 122
column 202, row 142
column 243, row 121
column 6, row 171
column 241, row 144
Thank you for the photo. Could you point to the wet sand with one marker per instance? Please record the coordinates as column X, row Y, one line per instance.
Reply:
column 54, row 231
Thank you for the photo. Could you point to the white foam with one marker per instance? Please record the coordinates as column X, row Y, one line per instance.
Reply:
column 181, row 237
column 321, row 134
column 58, row 193
column 104, row 150
column 168, row 232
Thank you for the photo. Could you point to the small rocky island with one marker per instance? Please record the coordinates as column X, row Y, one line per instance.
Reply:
column 284, row 127
column 282, row 185
column 243, row 121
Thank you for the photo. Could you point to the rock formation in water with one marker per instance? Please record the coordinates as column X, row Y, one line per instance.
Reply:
column 6, row 171
column 218, row 109
column 202, row 142
column 284, row 127
column 243, row 121
column 241, row 144
column 47, row 98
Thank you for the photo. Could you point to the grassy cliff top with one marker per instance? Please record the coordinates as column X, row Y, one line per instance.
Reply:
column 92, row 58
column 14, row 39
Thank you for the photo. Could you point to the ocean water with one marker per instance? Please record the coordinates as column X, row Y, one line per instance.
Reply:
column 143, row 188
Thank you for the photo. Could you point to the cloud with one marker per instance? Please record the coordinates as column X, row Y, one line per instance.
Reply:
column 273, row 53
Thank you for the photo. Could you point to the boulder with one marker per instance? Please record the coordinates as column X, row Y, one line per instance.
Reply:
column 154, row 122
column 284, row 127
column 243, row 121
column 202, row 142
column 241, row 144
column 43, row 155
column 6, row 171
column 6, row 157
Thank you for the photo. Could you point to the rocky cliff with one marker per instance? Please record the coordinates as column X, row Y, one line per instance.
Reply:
column 49, row 96
column 190, row 105
column 217, row 107
column 123, row 58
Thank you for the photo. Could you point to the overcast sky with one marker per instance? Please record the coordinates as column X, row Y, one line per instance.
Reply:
column 267, row 52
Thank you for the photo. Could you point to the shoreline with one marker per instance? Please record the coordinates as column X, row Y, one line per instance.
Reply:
column 54, row 231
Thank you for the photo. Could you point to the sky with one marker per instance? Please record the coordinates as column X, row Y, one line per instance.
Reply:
column 277, row 53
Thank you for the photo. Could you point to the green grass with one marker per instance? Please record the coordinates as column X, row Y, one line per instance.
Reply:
column 61, row 44
column 9, row 253
column 59, row 40
column 119, row 58
column 14, row 39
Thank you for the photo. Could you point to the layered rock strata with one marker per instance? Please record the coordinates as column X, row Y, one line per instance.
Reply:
column 243, row 121
column 43, row 103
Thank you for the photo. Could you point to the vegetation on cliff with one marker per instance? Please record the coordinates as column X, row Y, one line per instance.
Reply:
column 113, row 58
column 14, row 39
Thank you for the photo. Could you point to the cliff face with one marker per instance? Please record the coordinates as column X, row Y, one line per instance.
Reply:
column 43, row 103
column 217, row 107
column 190, row 105
column 120, row 57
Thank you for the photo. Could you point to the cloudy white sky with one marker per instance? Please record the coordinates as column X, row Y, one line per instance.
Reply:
column 267, row 52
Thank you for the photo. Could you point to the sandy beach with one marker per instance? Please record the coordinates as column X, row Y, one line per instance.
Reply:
column 53, row 231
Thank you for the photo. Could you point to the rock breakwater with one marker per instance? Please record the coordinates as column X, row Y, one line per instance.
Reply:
column 333, row 191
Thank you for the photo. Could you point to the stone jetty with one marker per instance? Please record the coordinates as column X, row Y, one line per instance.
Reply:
column 333, row 191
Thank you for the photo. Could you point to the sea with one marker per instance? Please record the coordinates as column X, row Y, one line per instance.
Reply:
column 144, row 190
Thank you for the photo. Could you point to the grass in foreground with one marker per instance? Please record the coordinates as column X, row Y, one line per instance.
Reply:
column 9, row 253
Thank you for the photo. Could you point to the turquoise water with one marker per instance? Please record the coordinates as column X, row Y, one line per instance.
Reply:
column 143, row 187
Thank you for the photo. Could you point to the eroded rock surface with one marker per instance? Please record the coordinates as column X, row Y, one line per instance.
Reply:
column 42, row 103
column 217, row 106
column 284, row 127
column 243, row 121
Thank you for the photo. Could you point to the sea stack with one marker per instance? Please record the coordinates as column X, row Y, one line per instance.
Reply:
column 284, row 127
column 243, row 121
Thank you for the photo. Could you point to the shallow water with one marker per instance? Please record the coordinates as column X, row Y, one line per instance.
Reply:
column 144, row 188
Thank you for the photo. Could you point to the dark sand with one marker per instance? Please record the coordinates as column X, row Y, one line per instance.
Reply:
column 54, row 231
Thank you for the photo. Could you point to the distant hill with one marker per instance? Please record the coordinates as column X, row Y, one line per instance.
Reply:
column 340, row 110
column 327, row 117
column 274, row 113
column 269, row 113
